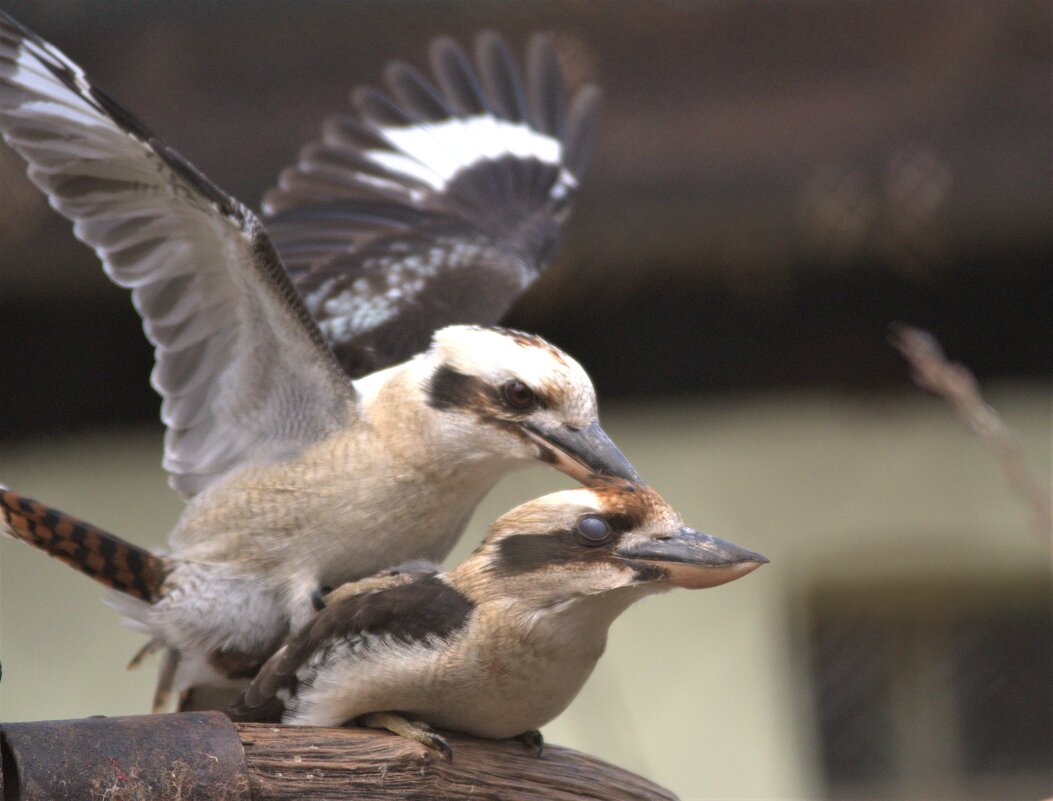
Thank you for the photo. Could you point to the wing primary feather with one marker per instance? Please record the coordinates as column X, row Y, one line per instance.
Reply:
column 582, row 119
column 74, row 79
column 346, row 132
column 547, row 100
column 413, row 91
column 500, row 76
column 456, row 78
column 487, row 158
column 378, row 109
column 202, row 271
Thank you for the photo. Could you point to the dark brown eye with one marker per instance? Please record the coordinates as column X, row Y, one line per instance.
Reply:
column 593, row 529
column 518, row 395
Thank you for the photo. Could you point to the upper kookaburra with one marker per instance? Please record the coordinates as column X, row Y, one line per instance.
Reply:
column 433, row 207
column 502, row 643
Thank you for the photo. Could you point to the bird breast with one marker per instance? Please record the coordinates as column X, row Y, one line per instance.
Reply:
column 497, row 677
column 515, row 679
column 345, row 508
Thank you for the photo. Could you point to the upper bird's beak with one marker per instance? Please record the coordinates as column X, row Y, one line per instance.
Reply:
column 582, row 453
column 695, row 560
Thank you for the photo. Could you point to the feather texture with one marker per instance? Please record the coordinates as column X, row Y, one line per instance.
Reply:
column 435, row 203
column 417, row 611
column 243, row 371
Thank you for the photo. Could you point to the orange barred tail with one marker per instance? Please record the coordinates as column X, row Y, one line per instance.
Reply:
column 106, row 558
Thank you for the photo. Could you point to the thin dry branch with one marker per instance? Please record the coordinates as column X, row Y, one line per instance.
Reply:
column 953, row 381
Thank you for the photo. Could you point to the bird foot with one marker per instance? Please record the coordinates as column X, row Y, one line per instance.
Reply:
column 532, row 740
column 410, row 729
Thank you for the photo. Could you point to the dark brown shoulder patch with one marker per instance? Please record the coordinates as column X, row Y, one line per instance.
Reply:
column 406, row 613
column 409, row 613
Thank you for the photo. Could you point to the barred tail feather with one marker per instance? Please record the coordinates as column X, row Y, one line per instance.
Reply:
column 108, row 559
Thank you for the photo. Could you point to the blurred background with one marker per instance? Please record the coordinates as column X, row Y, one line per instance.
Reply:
column 772, row 184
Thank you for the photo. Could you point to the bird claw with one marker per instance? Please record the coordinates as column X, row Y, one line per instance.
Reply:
column 533, row 741
column 438, row 743
column 410, row 729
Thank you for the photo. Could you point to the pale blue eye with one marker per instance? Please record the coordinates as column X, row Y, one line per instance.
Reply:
column 593, row 528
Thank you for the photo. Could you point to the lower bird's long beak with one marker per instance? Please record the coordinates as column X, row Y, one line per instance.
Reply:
column 582, row 453
column 691, row 559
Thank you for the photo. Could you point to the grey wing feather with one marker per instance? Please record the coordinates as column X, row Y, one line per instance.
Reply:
column 500, row 76
column 436, row 203
column 244, row 373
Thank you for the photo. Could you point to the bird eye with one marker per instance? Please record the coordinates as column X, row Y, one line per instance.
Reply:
column 593, row 529
column 518, row 395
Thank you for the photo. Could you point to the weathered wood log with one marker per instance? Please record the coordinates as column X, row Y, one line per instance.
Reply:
column 289, row 762
column 195, row 756
column 202, row 755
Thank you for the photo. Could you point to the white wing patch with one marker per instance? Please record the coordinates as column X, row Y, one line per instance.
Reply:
column 481, row 153
column 435, row 152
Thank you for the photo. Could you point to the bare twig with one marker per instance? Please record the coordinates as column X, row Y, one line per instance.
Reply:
column 933, row 372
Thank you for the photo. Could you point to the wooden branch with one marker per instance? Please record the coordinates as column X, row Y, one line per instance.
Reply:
column 202, row 755
column 300, row 762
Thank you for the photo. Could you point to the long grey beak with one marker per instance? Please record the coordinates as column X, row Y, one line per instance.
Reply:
column 694, row 560
column 581, row 453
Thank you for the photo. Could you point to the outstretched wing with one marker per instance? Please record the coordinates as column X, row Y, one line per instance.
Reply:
column 243, row 371
column 359, row 625
column 437, row 204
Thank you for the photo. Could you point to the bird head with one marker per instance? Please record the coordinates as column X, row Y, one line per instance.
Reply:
column 515, row 396
column 616, row 535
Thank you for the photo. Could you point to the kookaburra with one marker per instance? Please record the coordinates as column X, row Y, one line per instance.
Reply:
column 501, row 644
column 434, row 208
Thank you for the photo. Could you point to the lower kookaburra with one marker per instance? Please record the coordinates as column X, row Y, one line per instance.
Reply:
column 296, row 476
column 501, row 644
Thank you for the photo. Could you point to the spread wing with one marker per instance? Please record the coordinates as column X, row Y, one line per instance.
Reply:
column 357, row 626
column 243, row 371
column 436, row 204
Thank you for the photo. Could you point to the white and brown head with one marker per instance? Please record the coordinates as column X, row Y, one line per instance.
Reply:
column 513, row 395
column 587, row 542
